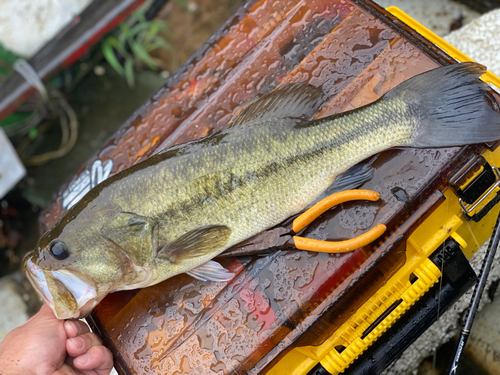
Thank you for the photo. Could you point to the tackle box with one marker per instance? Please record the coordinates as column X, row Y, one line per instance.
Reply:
column 294, row 311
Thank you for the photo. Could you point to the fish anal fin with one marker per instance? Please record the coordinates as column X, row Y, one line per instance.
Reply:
column 211, row 271
column 291, row 100
column 198, row 242
column 353, row 178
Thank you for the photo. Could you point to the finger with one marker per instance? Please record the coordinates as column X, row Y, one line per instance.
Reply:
column 74, row 328
column 76, row 346
column 97, row 358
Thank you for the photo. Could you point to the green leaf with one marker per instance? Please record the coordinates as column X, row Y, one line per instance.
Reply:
column 155, row 28
column 160, row 43
column 109, row 55
column 15, row 118
column 153, row 31
column 7, row 60
column 7, row 56
column 139, row 27
column 140, row 15
column 119, row 47
column 129, row 72
column 124, row 28
column 122, row 39
column 33, row 133
column 140, row 37
column 141, row 53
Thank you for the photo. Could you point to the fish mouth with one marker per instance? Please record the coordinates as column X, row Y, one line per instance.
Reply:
column 69, row 296
column 36, row 276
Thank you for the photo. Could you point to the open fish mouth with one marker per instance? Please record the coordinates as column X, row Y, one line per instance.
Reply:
column 37, row 278
column 69, row 295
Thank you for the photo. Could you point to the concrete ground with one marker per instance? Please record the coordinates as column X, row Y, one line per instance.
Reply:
column 477, row 39
column 14, row 309
column 436, row 15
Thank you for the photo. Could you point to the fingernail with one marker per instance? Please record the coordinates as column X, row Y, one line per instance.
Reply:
column 83, row 359
column 77, row 341
column 75, row 327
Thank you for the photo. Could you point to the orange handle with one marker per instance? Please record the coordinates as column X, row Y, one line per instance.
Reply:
column 325, row 204
column 364, row 239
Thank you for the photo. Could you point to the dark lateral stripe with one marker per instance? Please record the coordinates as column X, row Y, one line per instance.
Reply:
column 220, row 186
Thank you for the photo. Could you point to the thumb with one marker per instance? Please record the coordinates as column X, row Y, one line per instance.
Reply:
column 45, row 312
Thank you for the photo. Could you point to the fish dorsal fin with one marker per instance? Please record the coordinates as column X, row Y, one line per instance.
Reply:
column 195, row 243
column 292, row 100
column 132, row 233
column 211, row 271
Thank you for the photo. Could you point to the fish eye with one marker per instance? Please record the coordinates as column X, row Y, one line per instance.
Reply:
column 59, row 250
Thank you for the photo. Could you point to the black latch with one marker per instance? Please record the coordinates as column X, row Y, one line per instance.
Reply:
column 476, row 184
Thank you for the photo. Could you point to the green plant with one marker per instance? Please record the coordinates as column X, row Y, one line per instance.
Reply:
column 7, row 59
column 26, row 117
column 24, row 125
column 134, row 44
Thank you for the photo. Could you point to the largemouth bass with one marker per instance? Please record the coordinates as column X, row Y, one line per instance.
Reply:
column 175, row 211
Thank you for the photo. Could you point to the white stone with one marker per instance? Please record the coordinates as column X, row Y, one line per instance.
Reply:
column 11, row 168
column 26, row 25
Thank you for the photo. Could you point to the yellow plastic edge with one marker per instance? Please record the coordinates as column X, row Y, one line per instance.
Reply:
column 425, row 239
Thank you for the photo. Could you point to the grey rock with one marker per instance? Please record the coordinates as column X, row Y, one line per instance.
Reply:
column 479, row 40
column 13, row 309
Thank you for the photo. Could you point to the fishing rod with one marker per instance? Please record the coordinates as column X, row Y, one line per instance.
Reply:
column 476, row 297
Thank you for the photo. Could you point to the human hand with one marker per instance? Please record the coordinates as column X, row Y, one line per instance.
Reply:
column 45, row 345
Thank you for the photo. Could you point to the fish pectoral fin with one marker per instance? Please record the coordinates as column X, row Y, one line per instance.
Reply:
column 195, row 243
column 292, row 100
column 211, row 271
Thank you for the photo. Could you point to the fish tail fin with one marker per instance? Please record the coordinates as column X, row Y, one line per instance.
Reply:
column 451, row 105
